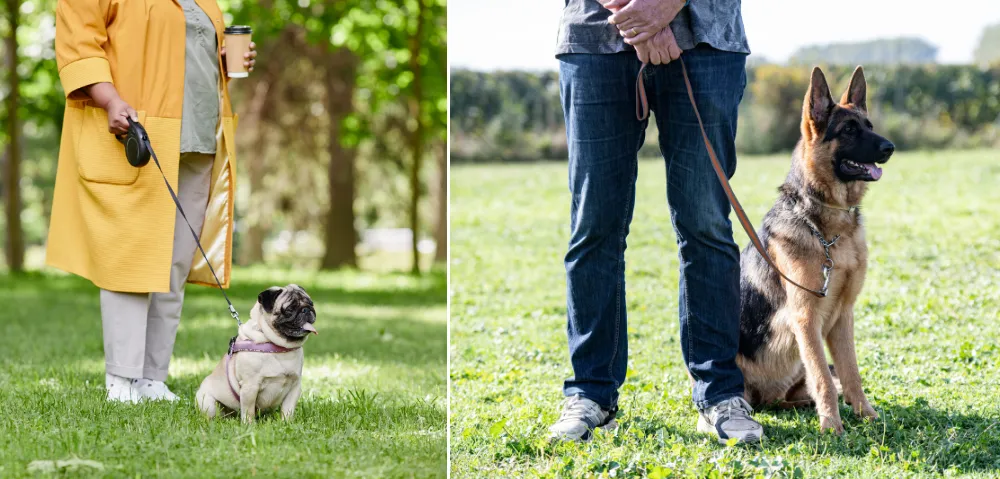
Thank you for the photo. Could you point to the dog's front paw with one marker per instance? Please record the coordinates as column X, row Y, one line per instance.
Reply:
column 865, row 411
column 831, row 423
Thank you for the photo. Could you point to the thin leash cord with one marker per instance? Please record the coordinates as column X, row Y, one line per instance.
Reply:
column 642, row 113
column 177, row 201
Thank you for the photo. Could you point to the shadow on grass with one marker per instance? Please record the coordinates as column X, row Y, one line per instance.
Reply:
column 918, row 433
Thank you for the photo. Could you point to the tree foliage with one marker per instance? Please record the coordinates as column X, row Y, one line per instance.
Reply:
column 513, row 116
column 352, row 56
column 988, row 50
column 883, row 51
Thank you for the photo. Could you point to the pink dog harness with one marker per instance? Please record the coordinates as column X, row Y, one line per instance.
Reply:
column 247, row 345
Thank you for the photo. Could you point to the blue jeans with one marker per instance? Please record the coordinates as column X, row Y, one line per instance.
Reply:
column 604, row 137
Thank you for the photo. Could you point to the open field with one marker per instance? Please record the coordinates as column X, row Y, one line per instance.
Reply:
column 373, row 401
column 928, row 324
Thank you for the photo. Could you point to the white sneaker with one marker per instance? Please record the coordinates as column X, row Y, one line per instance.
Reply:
column 154, row 390
column 121, row 390
column 730, row 419
column 579, row 418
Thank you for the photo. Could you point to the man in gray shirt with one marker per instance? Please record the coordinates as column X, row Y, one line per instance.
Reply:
column 601, row 48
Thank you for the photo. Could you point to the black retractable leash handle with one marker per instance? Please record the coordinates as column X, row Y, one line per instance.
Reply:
column 138, row 150
column 136, row 141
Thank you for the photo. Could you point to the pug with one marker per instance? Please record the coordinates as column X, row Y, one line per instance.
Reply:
column 265, row 368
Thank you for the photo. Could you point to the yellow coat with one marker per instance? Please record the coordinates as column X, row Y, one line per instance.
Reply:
column 113, row 223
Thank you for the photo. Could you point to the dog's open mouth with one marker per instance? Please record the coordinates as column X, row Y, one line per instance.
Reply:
column 860, row 171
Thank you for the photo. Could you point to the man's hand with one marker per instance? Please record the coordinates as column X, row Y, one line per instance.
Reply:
column 641, row 20
column 660, row 49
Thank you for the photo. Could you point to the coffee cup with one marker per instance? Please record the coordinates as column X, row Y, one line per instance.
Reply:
column 237, row 44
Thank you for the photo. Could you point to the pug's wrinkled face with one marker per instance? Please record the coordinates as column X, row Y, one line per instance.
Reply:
column 289, row 311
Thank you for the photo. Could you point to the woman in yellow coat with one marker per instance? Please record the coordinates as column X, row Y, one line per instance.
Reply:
column 159, row 62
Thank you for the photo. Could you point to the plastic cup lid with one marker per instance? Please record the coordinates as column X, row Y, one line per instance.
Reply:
column 239, row 30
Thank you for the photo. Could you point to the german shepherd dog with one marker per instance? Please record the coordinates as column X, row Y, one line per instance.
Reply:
column 783, row 328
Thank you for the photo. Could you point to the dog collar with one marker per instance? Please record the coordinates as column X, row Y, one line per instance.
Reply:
column 849, row 209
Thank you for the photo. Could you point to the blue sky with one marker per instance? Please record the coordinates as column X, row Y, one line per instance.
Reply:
column 520, row 34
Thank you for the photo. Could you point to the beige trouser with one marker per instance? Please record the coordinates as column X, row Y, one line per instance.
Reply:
column 140, row 328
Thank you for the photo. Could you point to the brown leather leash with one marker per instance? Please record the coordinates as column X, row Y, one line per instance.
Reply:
column 642, row 112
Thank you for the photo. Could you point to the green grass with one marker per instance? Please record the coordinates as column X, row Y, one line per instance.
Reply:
column 927, row 331
column 374, row 385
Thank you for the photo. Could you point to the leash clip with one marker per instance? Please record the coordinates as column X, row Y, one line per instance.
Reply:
column 236, row 316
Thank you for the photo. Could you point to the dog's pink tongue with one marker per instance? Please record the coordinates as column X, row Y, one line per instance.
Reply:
column 873, row 170
column 310, row 327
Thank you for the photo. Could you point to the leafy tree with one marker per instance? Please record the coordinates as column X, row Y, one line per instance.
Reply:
column 884, row 51
column 988, row 50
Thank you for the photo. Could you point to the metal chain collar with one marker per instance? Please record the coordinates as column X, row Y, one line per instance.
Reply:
column 828, row 263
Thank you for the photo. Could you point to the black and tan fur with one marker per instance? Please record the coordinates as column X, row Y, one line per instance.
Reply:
column 783, row 328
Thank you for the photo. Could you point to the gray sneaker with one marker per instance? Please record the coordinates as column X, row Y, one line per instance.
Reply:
column 730, row 419
column 579, row 418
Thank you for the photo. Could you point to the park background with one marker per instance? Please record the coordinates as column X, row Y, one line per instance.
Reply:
column 341, row 188
column 927, row 321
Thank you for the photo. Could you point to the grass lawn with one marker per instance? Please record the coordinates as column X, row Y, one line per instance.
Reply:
column 374, row 388
column 927, row 331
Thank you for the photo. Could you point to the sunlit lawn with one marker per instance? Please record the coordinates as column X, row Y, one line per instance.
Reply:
column 927, row 331
column 374, row 388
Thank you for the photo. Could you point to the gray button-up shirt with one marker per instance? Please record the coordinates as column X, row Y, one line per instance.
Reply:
column 200, row 116
column 584, row 27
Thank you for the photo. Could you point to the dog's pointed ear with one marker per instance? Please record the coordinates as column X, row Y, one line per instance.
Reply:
column 267, row 298
column 817, row 105
column 857, row 91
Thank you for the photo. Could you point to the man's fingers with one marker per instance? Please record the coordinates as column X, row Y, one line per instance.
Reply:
column 620, row 17
column 615, row 4
column 641, row 37
column 675, row 51
column 643, row 54
column 131, row 114
column 654, row 56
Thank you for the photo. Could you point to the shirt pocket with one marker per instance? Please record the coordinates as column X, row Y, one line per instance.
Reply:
column 100, row 156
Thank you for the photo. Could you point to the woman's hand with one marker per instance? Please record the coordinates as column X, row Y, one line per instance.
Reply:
column 118, row 114
column 106, row 96
column 249, row 58
column 640, row 20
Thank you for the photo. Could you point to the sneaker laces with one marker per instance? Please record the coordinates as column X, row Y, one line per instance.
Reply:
column 736, row 407
column 575, row 408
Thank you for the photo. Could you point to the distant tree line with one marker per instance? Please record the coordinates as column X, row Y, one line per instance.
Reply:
column 516, row 116
column 884, row 51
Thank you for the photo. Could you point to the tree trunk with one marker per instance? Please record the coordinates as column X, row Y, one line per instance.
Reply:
column 252, row 249
column 341, row 235
column 417, row 135
column 441, row 230
column 12, row 173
